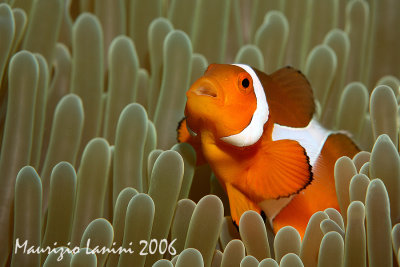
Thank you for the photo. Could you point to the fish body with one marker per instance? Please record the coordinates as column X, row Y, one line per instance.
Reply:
column 258, row 134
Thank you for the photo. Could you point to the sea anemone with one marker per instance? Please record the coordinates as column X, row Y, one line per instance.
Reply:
column 91, row 94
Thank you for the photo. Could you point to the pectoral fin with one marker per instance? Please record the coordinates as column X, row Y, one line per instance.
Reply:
column 184, row 136
column 280, row 170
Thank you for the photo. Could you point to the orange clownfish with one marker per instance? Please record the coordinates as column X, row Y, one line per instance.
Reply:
column 258, row 134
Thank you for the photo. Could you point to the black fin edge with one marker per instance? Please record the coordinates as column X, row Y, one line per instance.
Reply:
column 177, row 128
column 310, row 178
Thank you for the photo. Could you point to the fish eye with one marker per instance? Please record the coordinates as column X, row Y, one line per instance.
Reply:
column 245, row 83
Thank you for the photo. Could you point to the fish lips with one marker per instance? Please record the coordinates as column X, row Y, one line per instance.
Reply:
column 204, row 99
column 205, row 87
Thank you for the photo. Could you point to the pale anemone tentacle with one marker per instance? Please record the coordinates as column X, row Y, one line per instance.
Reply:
column 252, row 133
column 191, row 132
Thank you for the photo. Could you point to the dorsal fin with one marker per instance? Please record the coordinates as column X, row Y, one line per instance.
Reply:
column 289, row 96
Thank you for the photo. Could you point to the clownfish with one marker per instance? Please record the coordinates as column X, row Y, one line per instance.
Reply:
column 258, row 134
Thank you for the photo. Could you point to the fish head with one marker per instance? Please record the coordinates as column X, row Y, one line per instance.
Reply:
column 222, row 101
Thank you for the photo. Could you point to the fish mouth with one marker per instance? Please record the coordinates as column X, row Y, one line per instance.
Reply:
column 206, row 91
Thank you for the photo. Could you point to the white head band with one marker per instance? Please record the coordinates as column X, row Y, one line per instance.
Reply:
column 252, row 133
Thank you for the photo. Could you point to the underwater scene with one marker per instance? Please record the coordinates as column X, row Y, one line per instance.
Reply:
column 196, row 133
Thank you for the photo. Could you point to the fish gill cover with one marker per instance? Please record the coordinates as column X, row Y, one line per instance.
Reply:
column 91, row 94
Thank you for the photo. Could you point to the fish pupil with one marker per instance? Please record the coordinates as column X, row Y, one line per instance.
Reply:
column 245, row 83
